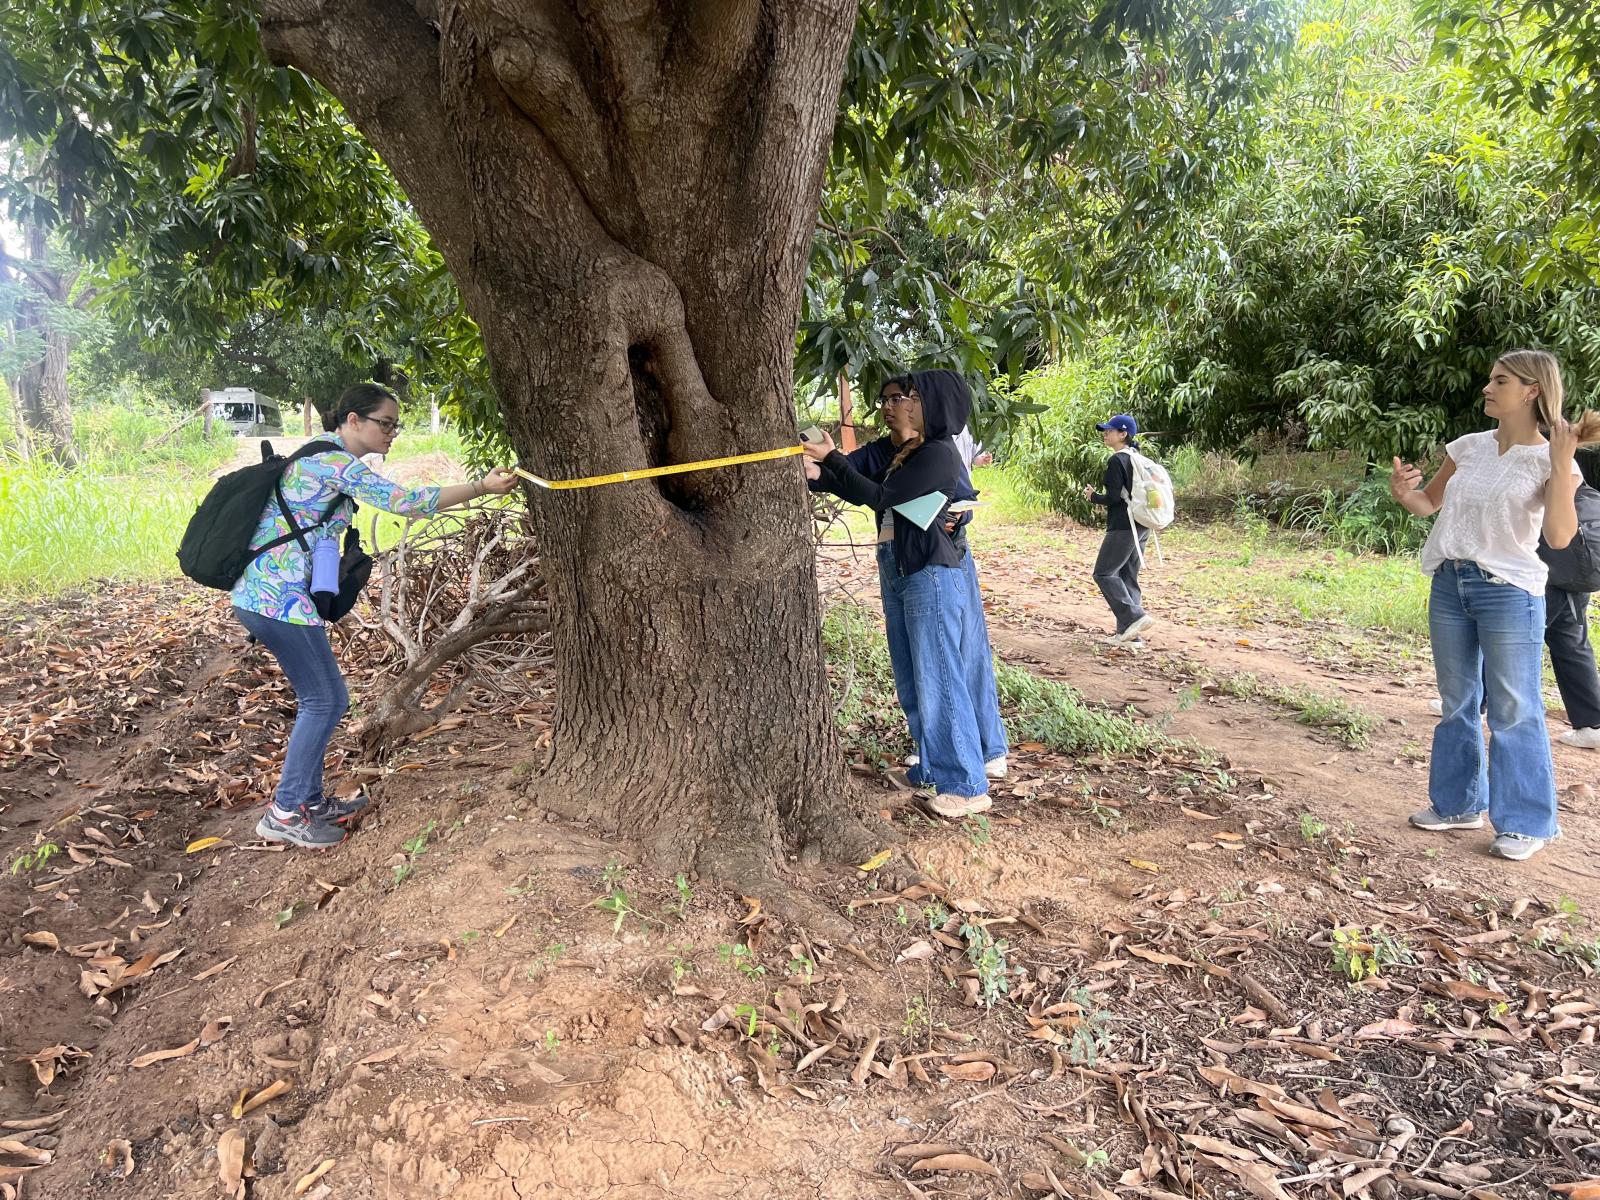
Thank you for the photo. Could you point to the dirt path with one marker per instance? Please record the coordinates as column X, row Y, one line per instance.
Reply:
column 1044, row 609
column 1124, row 977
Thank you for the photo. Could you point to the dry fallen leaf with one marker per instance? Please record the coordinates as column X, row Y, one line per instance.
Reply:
column 877, row 860
column 956, row 1162
column 155, row 1056
column 204, row 843
column 1390, row 1027
column 15, row 1148
column 1582, row 1189
column 216, row 970
column 311, row 1177
column 271, row 1092
column 379, row 1056
column 1257, row 1179
column 118, row 1158
column 232, row 1151
column 972, row 1072
column 1140, row 864
column 42, row 937
column 214, row 1030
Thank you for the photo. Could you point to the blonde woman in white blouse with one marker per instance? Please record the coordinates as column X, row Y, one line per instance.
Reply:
column 1495, row 493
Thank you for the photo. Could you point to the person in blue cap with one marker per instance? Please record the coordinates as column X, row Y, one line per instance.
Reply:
column 1116, row 568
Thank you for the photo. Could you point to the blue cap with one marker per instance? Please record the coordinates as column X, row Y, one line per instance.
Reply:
column 1123, row 423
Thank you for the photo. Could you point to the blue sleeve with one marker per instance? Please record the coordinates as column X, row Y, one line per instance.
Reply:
column 348, row 474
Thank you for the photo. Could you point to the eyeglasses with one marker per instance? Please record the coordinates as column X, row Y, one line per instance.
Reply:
column 390, row 427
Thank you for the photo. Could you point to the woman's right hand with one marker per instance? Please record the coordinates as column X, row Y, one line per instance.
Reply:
column 1088, row 491
column 817, row 451
column 498, row 481
column 1403, row 480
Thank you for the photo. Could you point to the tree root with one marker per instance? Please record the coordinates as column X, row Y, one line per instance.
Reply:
column 740, row 864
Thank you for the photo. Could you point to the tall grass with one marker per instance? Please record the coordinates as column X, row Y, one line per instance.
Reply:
column 60, row 529
column 121, row 441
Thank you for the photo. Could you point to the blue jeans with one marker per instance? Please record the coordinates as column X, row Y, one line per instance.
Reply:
column 980, row 672
column 307, row 659
column 1488, row 644
column 930, row 623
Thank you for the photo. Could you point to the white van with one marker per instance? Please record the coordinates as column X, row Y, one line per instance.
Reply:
column 247, row 412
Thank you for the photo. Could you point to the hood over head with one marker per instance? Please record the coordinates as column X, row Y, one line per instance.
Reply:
column 946, row 403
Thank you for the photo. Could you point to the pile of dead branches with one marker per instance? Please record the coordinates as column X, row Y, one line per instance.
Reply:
column 457, row 611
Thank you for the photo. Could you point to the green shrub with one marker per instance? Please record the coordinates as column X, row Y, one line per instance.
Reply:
column 1061, row 452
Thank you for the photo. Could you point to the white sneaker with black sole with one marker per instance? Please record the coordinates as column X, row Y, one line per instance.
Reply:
column 1583, row 739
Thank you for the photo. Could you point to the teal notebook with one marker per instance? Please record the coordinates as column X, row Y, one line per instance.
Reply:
column 921, row 511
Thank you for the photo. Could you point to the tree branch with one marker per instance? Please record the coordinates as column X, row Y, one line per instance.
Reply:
column 40, row 276
column 381, row 59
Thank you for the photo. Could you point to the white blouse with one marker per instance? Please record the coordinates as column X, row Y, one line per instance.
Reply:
column 1493, row 510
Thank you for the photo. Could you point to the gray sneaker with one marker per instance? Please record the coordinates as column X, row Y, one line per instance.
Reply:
column 336, row 811
column 305, row 828
column 1429, row 819
column 1516, row 846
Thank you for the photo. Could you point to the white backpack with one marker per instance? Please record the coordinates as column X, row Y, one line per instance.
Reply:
column 1150, row 499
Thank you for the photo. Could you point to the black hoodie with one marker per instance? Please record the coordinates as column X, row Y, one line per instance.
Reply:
column 934, row 466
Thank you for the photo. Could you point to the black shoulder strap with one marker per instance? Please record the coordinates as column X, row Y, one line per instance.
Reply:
column 297, row 533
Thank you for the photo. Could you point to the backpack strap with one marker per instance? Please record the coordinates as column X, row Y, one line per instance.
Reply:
column 297, row 533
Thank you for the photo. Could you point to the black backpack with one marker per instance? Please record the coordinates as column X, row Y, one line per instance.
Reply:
column 216, row 545
column 1576, row 566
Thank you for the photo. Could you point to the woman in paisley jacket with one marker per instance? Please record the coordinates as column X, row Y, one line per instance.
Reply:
column 272, row 599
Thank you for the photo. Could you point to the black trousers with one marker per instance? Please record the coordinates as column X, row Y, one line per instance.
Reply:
column 1116, row 571
column 1566, row 632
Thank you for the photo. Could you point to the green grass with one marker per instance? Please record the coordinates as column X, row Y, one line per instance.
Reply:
column 1005, row 501
column 1251, row 571
column 61, row 529
column 1052, row 713
column 1350, row 724
column 115, row 441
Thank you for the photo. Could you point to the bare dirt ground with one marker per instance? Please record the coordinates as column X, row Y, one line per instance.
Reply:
column 1131, row 979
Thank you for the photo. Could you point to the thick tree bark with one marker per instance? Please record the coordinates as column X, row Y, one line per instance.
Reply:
column 625, row 193
column 42, row 396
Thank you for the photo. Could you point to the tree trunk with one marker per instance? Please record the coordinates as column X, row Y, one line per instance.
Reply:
column 626, row 198
column 42, row 387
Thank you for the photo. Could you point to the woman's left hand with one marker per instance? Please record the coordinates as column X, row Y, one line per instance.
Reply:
column 498, row 481
column 817, row 451
column 1563, row 443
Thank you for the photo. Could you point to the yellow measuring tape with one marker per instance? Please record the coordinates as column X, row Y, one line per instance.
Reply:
column 704, row 464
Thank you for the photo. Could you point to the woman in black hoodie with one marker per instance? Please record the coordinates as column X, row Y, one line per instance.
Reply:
column 933, row 616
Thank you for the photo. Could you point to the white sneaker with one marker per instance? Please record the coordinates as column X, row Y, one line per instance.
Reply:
column 995, row 768
column 912, row 760
column 1436, row 707
column 948, row 804
column 1132, row 632
column 1583, row 739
